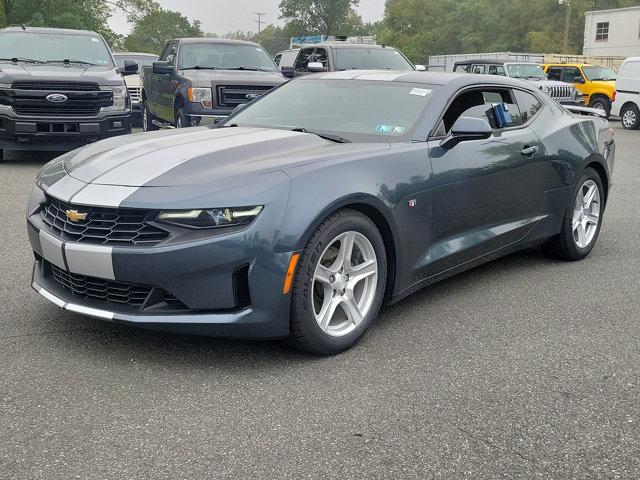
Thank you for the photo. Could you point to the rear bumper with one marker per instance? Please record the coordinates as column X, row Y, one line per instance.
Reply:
column 59, row 133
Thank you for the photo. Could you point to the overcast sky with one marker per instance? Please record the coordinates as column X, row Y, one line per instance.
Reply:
column 222, row 16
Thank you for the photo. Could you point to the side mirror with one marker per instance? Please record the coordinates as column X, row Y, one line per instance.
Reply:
column 239, row 107
column 465, row 129
column 288, row 72
column 162, row 68
column 421, row 68
column 316, row 67
column 130, row 67
column 578, row 80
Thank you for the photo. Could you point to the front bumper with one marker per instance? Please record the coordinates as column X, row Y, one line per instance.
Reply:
column 201, row 275
column 59, row 133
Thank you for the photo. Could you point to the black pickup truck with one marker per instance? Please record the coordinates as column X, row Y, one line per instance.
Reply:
column 199, row 81
column 59, row 89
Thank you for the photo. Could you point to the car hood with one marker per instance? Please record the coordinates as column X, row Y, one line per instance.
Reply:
column 10, row 73
column 546, row 83
column 201, row 156
column 233, row 77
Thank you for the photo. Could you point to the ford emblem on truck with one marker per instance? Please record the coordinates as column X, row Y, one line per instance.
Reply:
column 56, row 98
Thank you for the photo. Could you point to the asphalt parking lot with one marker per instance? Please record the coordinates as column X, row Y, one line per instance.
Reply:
column 522, row 368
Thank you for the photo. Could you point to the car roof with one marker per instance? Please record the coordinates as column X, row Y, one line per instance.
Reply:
column 48, row 30
column 493, row 61
column 560, row 64
column 217, row 40
column 137, row 54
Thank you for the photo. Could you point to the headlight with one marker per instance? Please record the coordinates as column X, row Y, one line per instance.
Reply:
column 201, row 95
column 211, row 218
column 119, row 98
column 37, row 198
column 545, row 89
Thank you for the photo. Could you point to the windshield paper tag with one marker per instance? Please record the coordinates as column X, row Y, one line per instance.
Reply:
column 389, row 129
column 94, row 39
column 420, row 92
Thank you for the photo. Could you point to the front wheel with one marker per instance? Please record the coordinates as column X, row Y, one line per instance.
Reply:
column 582, row 220
column 630, row 117
column 339, row 284
column 601, row 103
column 147, row 119
column 181, row 120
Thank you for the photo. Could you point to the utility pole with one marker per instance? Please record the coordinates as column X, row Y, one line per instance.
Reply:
column 567, row 22
column 259, row 20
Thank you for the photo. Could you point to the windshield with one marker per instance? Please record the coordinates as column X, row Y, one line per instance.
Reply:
column 525, row 70
column 54, row 47
column 358, row 110
column 225, row 56
column 142, row 60
column 599, row 73
column 371, row 59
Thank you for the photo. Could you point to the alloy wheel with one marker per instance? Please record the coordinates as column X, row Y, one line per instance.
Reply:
column 344, row 283
column 629, row 118
column 586, row 214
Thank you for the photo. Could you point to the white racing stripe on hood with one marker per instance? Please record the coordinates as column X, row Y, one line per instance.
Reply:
column 65, row 188
column 141, row 170
column 102, row 195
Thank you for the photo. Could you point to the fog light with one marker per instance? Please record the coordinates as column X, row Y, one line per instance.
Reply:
column 117, row 124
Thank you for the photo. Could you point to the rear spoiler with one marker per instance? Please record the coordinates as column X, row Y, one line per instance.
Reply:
column 595, row 112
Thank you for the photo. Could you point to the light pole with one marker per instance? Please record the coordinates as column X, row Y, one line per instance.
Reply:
column 566, row 24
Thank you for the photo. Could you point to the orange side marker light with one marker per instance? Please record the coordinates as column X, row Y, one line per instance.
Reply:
column 288, row 279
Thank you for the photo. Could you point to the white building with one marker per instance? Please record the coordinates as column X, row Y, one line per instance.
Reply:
column 613, row 32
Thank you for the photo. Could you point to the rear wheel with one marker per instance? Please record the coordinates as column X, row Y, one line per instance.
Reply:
column 582, row 220
column 630, row 117
column 147, row 119
column 339, row 284
column 601, row 103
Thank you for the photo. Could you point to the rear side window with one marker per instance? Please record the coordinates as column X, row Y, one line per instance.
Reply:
column 630, row 70
column 555, row 73
column 496, row 70
column 528, row 105
column 478, row 69
column 463, row 68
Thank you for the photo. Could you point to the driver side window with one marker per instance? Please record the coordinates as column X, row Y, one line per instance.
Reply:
column 495, row 105
column 303, row 59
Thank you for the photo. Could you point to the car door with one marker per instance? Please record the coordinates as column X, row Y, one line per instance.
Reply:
column 487, row 193
column 166, row 86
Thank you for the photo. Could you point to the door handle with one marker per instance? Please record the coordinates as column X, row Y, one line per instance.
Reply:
column 528, row 151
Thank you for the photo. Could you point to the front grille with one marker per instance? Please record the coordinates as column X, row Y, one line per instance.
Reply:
column 53, row 86
column 50, row 109
column 99, row 289
column 561, row 92
column 135, row 94
column 103, row 226
column 230, row 96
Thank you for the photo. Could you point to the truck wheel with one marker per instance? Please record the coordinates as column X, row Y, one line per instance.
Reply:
column 181, row 118
column 601, row 103
column 147, row 119
column 1, row 155
column 630, row 116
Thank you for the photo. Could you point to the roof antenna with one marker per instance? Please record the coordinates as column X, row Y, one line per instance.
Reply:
column 24, row 27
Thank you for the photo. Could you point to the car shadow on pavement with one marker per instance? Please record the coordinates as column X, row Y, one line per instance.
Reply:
column 97, row 338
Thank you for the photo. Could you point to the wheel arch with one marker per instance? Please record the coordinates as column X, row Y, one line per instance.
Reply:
column 604, row 177
column 629, row 103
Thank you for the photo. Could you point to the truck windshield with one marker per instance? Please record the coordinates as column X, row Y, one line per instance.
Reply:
column 70, row 48
column 525, row 70
column 225, row 56
column 370, row 59
column 599, row 73
column 356, row 110
column 142, row 60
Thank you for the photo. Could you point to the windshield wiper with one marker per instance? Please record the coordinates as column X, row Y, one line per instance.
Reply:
column 198, row 67
column 20, row 59
column 67, row 61
column 326, row 136
column 250, row 69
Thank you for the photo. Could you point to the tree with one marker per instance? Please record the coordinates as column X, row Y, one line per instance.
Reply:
column 152, row 31
column 326, row 17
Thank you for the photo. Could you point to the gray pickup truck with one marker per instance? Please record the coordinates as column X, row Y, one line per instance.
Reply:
column 199, row 81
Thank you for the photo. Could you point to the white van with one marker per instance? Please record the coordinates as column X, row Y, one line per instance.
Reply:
column 627, row 103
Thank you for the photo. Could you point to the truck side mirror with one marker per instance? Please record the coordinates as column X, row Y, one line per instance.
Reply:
column 130, row 67
column 421, row 68
column 316, row 67
column 288, row 72
column 162, row 68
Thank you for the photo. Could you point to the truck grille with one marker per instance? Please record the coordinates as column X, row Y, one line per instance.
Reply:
column 561, row 92
column 230, row 96
column 103, row 226
column 53, row 86
column 135, row 94
column 72, row 109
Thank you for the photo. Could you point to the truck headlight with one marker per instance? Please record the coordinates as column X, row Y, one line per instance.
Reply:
column 212, row 217
column 201, row 95
column 546, row 90
column 120, row 98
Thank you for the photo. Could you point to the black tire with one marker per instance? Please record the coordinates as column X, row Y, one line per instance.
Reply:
column 630, row 117
column 1, row 155
column 602, row 103
column 563, row 246
column 305, row 333
column 147, row 119
column 181, row 119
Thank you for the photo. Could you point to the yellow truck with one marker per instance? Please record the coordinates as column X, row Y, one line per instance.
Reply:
column 597, row 83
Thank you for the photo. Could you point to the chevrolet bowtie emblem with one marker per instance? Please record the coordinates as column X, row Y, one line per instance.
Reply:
column 75, row 216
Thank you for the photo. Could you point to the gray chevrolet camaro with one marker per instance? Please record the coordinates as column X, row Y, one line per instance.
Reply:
column 304, row 212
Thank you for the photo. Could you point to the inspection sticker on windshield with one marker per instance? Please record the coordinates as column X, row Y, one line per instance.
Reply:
column 420, row 92
column 94, row 39
column 389, row 129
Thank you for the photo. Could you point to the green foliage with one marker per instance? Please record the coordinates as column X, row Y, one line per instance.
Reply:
column 152, row 31
column 327, row 17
